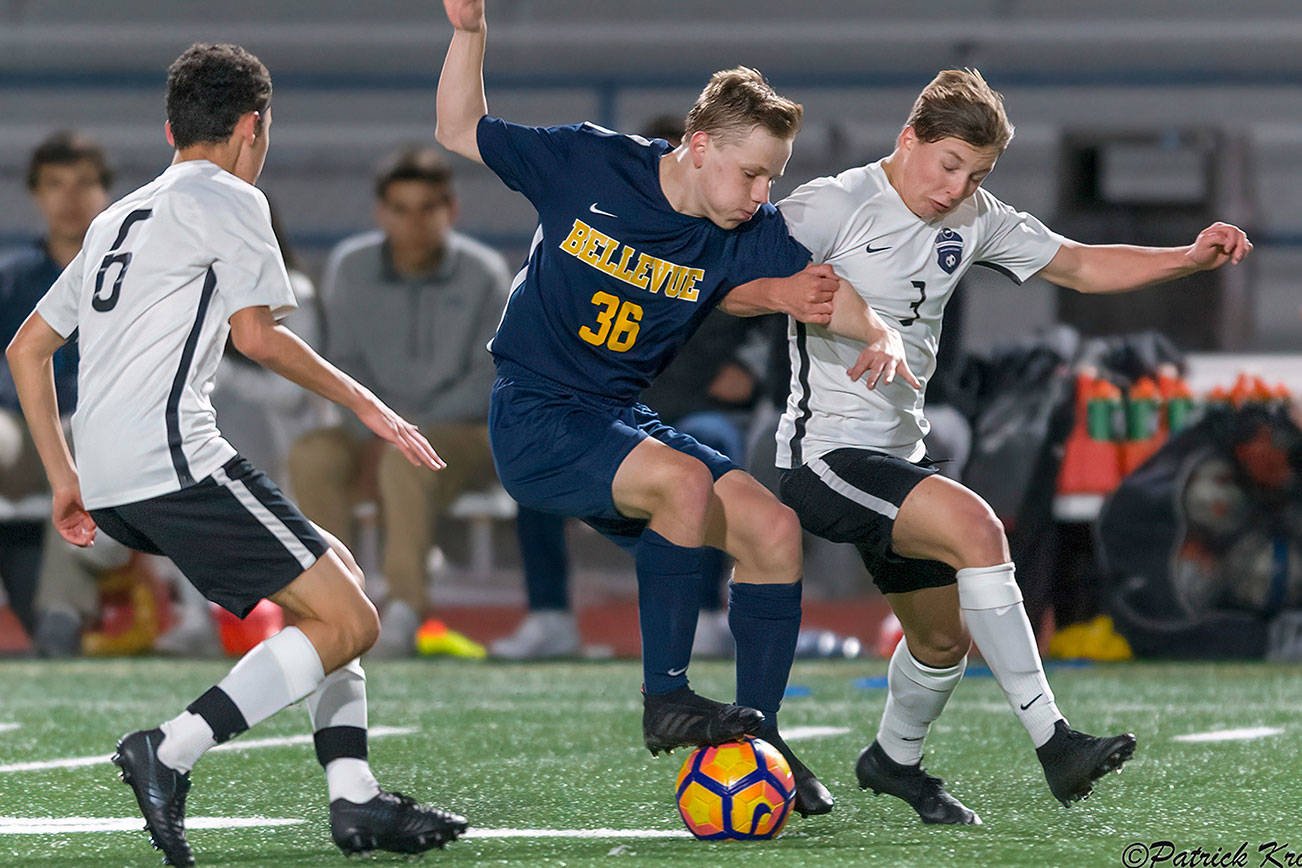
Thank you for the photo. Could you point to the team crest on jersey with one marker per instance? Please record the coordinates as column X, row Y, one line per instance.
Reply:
column 949, row 250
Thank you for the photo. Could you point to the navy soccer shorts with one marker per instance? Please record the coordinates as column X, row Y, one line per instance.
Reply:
column 557, row 450
column 234, row 535
column 853, row 496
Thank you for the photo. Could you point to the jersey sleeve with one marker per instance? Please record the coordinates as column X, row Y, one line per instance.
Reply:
column 816, row 213
column 529, row 160
column 770, row 250
column 58, row 307
column 247, row 264
column 1015, row 243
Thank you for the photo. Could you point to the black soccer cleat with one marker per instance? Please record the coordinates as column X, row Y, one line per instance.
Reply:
column 394, row 822
column 160, row 793
column 811, row 796
column 1073, row 761
column 925, row 793
column 684, row 719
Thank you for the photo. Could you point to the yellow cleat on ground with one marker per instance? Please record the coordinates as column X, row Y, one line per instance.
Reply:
column 434, row 637
column 1095, row 640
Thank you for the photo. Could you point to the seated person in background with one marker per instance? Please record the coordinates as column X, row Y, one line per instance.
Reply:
column 68, row 177
column 410, row 309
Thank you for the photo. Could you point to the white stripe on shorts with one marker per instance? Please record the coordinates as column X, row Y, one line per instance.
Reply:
column 845, row 489
column 277, row 527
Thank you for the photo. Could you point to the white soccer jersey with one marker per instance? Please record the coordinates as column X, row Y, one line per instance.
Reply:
column 906, row 269
column 150, row 295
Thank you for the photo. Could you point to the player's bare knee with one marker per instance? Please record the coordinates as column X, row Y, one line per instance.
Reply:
column 981, row 541
column 776, row 543
column 362, row 628
column 684, row 488
column 940, row 649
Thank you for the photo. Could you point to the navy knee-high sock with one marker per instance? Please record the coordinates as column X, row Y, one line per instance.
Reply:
column 668, row 595
column 765, row 622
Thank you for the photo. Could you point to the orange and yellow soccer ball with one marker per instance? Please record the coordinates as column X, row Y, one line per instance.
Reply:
column 740, row 790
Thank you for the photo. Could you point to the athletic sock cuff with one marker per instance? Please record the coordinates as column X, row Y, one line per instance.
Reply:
column 768, row 602
column 221, row 714
column 667, row 558
column 339, row 742
column 988, row 587
column 930, row 677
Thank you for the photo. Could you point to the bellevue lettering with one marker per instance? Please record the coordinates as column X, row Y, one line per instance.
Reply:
column 611, row 256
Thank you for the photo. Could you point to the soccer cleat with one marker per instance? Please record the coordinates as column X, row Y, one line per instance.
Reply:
column 684, row 719
column 543, row 635
column 160, row 793
column 811, row 796
column 925, row 793
column 1073, row 761
column 394, row 822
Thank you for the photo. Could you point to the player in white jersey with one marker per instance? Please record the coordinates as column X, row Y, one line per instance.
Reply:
column 903, row 231
column 164, row 276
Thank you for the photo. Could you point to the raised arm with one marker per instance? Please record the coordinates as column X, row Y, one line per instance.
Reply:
column 257, row 335
column 461, row 101
column 30, row 356
column 1106, row 268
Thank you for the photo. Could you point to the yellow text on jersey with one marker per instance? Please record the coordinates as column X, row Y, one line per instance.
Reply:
column 612, row 256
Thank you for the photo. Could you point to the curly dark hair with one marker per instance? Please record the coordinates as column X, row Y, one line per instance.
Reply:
column 209, row 88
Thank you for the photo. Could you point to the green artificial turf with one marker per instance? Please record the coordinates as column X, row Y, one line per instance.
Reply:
column 557, row 747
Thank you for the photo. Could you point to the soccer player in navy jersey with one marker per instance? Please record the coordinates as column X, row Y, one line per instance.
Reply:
column 636, row 243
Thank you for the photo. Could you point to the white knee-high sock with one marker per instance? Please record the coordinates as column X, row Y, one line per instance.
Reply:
column 992, row 606
column 337, row 710
column 277, row 672
column 916, row 695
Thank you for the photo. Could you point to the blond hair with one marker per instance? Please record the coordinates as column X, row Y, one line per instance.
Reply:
column 736, row 101
column 959, row 104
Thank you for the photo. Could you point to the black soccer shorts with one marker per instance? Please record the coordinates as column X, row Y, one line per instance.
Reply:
column 853, row 496
column 234, row 534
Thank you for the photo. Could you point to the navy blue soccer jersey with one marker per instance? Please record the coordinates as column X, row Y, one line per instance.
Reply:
column 616, row 279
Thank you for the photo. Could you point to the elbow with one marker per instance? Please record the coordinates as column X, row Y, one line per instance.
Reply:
column 441, row 134
column 253, row 345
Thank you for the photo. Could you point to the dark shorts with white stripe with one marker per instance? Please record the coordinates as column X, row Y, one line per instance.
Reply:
column 234, row 535
column 853, row 496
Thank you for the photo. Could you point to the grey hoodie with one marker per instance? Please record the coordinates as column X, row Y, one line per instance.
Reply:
column 419, row 343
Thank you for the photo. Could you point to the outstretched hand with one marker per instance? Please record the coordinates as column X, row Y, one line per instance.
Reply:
column 1218, row 244
column 389, row 426
column 467, row 15
column 882, row 360
column 71, row 518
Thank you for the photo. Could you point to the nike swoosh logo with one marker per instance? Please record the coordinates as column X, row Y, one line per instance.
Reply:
column 1032, row 702
column 676, row 672
column 906, row 738
column 595, row 210
column 871, row 249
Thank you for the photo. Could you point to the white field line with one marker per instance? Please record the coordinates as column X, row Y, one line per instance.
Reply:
column 577, row 833
column 250, row 744
column 61, row 825
column 1244, row 734
column 796, row 733
column 5, row 727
